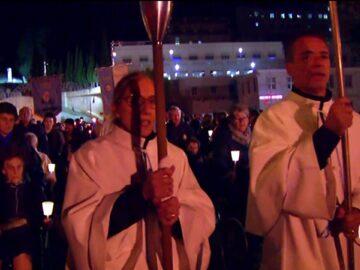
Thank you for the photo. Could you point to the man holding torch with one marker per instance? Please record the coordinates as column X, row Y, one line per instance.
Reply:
column 296, row 192
column 118, row 195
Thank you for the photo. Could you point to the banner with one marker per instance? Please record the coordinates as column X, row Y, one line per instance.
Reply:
column 108, row 78
column 46, row 92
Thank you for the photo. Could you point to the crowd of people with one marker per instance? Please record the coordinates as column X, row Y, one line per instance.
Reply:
column 113, row 197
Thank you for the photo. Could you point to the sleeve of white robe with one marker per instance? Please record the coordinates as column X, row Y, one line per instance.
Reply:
column 285, row 174
column 85, row 217
column 197, row 218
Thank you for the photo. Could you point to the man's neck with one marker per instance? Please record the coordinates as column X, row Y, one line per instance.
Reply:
column 314, row 96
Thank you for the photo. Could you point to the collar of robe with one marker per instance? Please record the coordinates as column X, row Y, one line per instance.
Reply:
column 322, row 99
column 135, row 139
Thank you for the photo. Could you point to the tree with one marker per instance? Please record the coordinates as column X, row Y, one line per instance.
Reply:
column 25, row 52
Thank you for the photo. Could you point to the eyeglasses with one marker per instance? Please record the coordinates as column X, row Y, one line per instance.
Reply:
column 241, row 119
column 140, row 100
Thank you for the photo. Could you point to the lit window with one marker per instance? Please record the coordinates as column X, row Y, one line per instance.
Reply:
column 256, row 13
column 209, row 57
column 325, row 16
column 309, row 16
column 329, row 29
column 252, row 64
column 272, row 15
column 320, row 16
column 256, row 24
column 290, row 16
column 225, row 57
column 282, row 15
column 298, row 16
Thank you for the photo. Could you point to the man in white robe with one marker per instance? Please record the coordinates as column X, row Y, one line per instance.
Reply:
column 296, row 170
column 107, row 198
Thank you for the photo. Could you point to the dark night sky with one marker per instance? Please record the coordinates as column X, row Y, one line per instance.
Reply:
column 64, row 25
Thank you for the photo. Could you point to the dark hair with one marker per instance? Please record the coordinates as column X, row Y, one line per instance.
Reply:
column 15, row 151
column 193, row 139
column 6, row 107
column 50, row 115
column 291, row 39
column 69, row 121
column 127, row 82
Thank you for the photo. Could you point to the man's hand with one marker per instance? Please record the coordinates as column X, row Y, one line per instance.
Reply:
column 159, row 185
column 340, row 116
column 168, row 211
column 347, row 223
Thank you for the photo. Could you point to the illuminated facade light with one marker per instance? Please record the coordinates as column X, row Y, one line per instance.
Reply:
column 177, row 67
column 256, row 24
column 252, row 64
column 240, row 50
column 282, row 15
column 114, row 54
column 276, row 97
column 171, row 51
column 9, row 74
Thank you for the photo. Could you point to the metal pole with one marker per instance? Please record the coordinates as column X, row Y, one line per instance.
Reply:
column 156, row 15
column 345, row 138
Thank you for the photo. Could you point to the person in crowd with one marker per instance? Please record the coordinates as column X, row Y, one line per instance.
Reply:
column 26, row 125
column 196, row 160
column 203, row 136
column 297, row 184
column 117, row 190
column 20, row 214
column 177, row 131
column 74, row 138
column 230, row 180
column 8, row 117
column 9, row 137
column 32, row 140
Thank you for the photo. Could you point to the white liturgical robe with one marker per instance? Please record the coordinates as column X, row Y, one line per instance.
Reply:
column 290, row 199
column 99, row 171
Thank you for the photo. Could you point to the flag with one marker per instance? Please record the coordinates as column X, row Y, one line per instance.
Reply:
column 46, row 91
column 108, row 78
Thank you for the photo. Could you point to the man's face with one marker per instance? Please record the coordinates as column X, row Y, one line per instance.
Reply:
column 69, row 128
column 13, row 169
column 7, row 122
column 25, row 115
column 310, row 67
column 175, row 117
column 143, row 110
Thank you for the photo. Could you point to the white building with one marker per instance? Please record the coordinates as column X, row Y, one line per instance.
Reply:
column 206, row 77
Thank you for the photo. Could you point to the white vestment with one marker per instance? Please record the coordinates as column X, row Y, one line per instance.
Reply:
column 99, row 171
column 290, row 199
